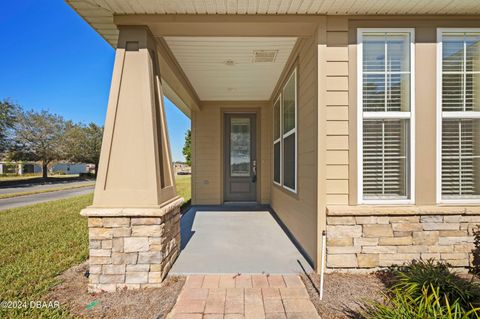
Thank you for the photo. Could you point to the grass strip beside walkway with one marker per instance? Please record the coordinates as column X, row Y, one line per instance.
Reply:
column 37, row 243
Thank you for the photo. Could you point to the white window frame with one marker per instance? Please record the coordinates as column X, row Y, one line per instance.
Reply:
column 385, row 115
column 284, row 135
column 278, row 140
column 440, row 115
column 292, row 131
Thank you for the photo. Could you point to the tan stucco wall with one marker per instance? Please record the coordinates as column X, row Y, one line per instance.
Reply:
column 207, row 140
column 299, row 211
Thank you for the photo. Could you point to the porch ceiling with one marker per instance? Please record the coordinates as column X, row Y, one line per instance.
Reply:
column 100, row 13
column 223, row 68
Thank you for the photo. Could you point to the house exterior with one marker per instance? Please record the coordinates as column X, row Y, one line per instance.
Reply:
column 19, row 168
column 354, row 119
column 70, row 168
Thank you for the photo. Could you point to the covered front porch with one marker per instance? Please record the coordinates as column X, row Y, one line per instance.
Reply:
column 250, row 88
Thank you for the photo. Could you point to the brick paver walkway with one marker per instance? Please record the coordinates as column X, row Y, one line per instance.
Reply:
column 244, row 297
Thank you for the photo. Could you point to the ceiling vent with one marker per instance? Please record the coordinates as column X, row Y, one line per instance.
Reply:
column 263, row 56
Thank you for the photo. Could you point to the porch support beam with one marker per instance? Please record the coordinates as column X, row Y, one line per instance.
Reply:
column 134, row 222
column 224, row 25
column 176, row 85
column 135, row 165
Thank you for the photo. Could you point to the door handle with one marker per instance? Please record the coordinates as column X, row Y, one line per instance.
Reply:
column 254, row 171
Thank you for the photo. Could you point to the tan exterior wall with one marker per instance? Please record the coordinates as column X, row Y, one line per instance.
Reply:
column 299, row 211
column 207, row 150
column 341, row 100
column 336, row 103
column 363, row 236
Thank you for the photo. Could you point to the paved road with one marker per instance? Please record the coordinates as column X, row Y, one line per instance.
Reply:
column 43, row 197
column 29, row 187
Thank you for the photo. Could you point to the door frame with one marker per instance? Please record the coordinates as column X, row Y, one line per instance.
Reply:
column 241, row 110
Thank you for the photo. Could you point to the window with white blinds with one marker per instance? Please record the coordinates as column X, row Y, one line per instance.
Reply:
column 458, row 119
column 385, row 116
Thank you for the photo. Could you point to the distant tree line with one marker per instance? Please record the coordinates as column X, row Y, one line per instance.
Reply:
column 40, row 136
column 187, row 148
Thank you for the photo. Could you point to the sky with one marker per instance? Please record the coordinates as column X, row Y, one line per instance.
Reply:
column 51, row 59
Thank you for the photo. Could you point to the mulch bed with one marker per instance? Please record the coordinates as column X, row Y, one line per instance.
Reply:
column 143, row 303
column 343, row 293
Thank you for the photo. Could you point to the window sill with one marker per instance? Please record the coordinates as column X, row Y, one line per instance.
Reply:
column 286, row 190
column 377, row 210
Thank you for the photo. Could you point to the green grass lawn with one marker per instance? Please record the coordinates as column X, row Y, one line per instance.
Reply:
column 13, row 177
column 183, row 186
column 39, row 242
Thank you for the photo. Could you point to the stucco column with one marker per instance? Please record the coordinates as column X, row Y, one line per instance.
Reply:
column 134, row 227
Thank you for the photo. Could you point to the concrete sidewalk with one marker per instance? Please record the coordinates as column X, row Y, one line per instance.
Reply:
column 239, row 241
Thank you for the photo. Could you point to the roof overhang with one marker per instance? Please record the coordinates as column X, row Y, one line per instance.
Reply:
column 105, row 15
column 237, row 18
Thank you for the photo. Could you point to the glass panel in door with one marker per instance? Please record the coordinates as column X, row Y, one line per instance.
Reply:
column 240, row 147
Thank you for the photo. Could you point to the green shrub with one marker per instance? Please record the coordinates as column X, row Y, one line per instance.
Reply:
column 417, row 275
column 475, row 268
column 424, row 290
column 429, row 305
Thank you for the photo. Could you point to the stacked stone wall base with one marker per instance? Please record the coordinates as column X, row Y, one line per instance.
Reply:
column 132, row 248
column 359, row 240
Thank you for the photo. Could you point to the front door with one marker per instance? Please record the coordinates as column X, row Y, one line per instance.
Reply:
column 240, row 161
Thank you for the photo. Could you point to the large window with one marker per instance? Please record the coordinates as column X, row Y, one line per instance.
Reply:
column 458, row 115
column 385, row 116
column 285, row 135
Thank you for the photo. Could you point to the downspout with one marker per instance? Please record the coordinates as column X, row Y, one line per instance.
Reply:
column 322, row 270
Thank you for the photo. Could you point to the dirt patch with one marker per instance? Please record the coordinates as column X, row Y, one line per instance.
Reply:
column 143, row 303
column 343, row 294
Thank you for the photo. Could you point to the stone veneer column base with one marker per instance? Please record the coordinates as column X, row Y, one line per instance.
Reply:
column 132, row 247
column 367, row 237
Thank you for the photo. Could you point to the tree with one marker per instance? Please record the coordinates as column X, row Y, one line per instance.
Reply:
column 83, row 143
column 187, row 147
column 38, row 136
column 7, row 120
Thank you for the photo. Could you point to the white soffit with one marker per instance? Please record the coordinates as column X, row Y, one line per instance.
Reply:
column 350, row 7
column 99, row 13
column 223, row 68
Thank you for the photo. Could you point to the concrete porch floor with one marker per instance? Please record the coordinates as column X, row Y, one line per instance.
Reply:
column 230, row 240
